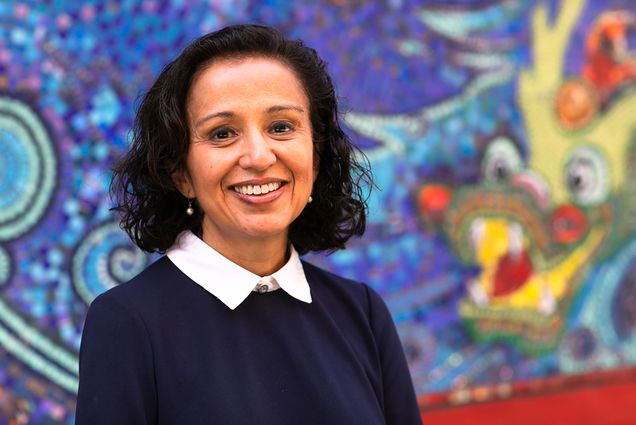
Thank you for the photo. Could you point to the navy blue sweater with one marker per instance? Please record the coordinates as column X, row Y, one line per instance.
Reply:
column 162, row 350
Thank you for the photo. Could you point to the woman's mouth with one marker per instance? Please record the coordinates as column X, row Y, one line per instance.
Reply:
column 257, row 189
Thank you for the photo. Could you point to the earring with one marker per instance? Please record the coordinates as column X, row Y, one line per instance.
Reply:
column 189, row 210
column 310, row 199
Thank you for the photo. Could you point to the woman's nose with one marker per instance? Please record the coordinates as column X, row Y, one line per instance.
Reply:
column 257, row 153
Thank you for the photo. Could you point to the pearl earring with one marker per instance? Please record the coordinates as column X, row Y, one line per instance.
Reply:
column 189, row 210
column 310, row 199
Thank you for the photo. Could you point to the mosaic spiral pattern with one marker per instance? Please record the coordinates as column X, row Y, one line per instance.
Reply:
column 27, row 168
column 104, row 259
column 5, row 266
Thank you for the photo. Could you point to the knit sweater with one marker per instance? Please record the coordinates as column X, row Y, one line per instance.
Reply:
column 161, row 350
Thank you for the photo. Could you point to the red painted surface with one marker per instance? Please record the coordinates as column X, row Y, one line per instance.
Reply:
column 607, row 398
column 603, row 405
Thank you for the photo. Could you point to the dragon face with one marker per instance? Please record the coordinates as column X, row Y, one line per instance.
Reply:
column 534, row 225
column 531, row 252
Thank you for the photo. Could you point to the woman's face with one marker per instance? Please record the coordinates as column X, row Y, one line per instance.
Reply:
column 250, row 164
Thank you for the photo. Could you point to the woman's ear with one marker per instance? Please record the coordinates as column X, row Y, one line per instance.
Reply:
column 183, row 182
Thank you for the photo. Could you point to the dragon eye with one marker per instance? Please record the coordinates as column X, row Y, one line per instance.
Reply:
column 587, row 176
column 501, row 160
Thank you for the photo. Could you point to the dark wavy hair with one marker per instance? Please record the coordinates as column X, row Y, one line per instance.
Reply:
column 152, row 208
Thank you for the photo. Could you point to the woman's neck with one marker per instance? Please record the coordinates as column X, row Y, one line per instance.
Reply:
column 261, row 256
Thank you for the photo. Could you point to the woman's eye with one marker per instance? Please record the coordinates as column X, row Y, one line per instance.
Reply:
column 281, row 127
column 222, row 133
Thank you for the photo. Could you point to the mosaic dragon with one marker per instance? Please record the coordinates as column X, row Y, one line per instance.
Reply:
column 534, row 227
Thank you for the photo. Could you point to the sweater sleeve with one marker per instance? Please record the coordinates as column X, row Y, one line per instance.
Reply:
column 400, row 404
column 116, row 384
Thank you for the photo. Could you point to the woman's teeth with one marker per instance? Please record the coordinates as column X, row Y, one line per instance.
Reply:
column 260, row 189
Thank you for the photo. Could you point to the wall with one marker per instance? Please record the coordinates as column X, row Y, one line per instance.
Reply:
column 500, row 134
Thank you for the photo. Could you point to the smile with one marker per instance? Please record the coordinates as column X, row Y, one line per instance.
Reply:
column 257, row 189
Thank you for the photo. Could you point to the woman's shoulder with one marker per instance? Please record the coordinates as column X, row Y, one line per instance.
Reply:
column 322, row 280
column 342, row 296
column 319, row 276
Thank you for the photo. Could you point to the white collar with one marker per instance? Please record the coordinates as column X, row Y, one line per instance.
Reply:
column 228, row 281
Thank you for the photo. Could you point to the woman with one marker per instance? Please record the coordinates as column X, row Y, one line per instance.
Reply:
column 237, row 166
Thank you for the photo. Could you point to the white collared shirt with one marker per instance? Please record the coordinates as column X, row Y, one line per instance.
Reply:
column 228, row 281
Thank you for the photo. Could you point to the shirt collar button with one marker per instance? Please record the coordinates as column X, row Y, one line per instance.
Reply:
column 261, row 288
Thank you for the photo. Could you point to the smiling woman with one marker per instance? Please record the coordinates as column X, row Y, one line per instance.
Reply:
column 250, row 119
column 238, row 165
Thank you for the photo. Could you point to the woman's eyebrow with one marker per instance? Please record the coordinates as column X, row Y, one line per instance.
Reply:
column 278, row 108
column 222, row 114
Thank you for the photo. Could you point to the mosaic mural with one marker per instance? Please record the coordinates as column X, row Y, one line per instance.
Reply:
column 501, row 134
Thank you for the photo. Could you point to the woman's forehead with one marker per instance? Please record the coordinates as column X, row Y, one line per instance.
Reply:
column 252, row 81
column 233, row 61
